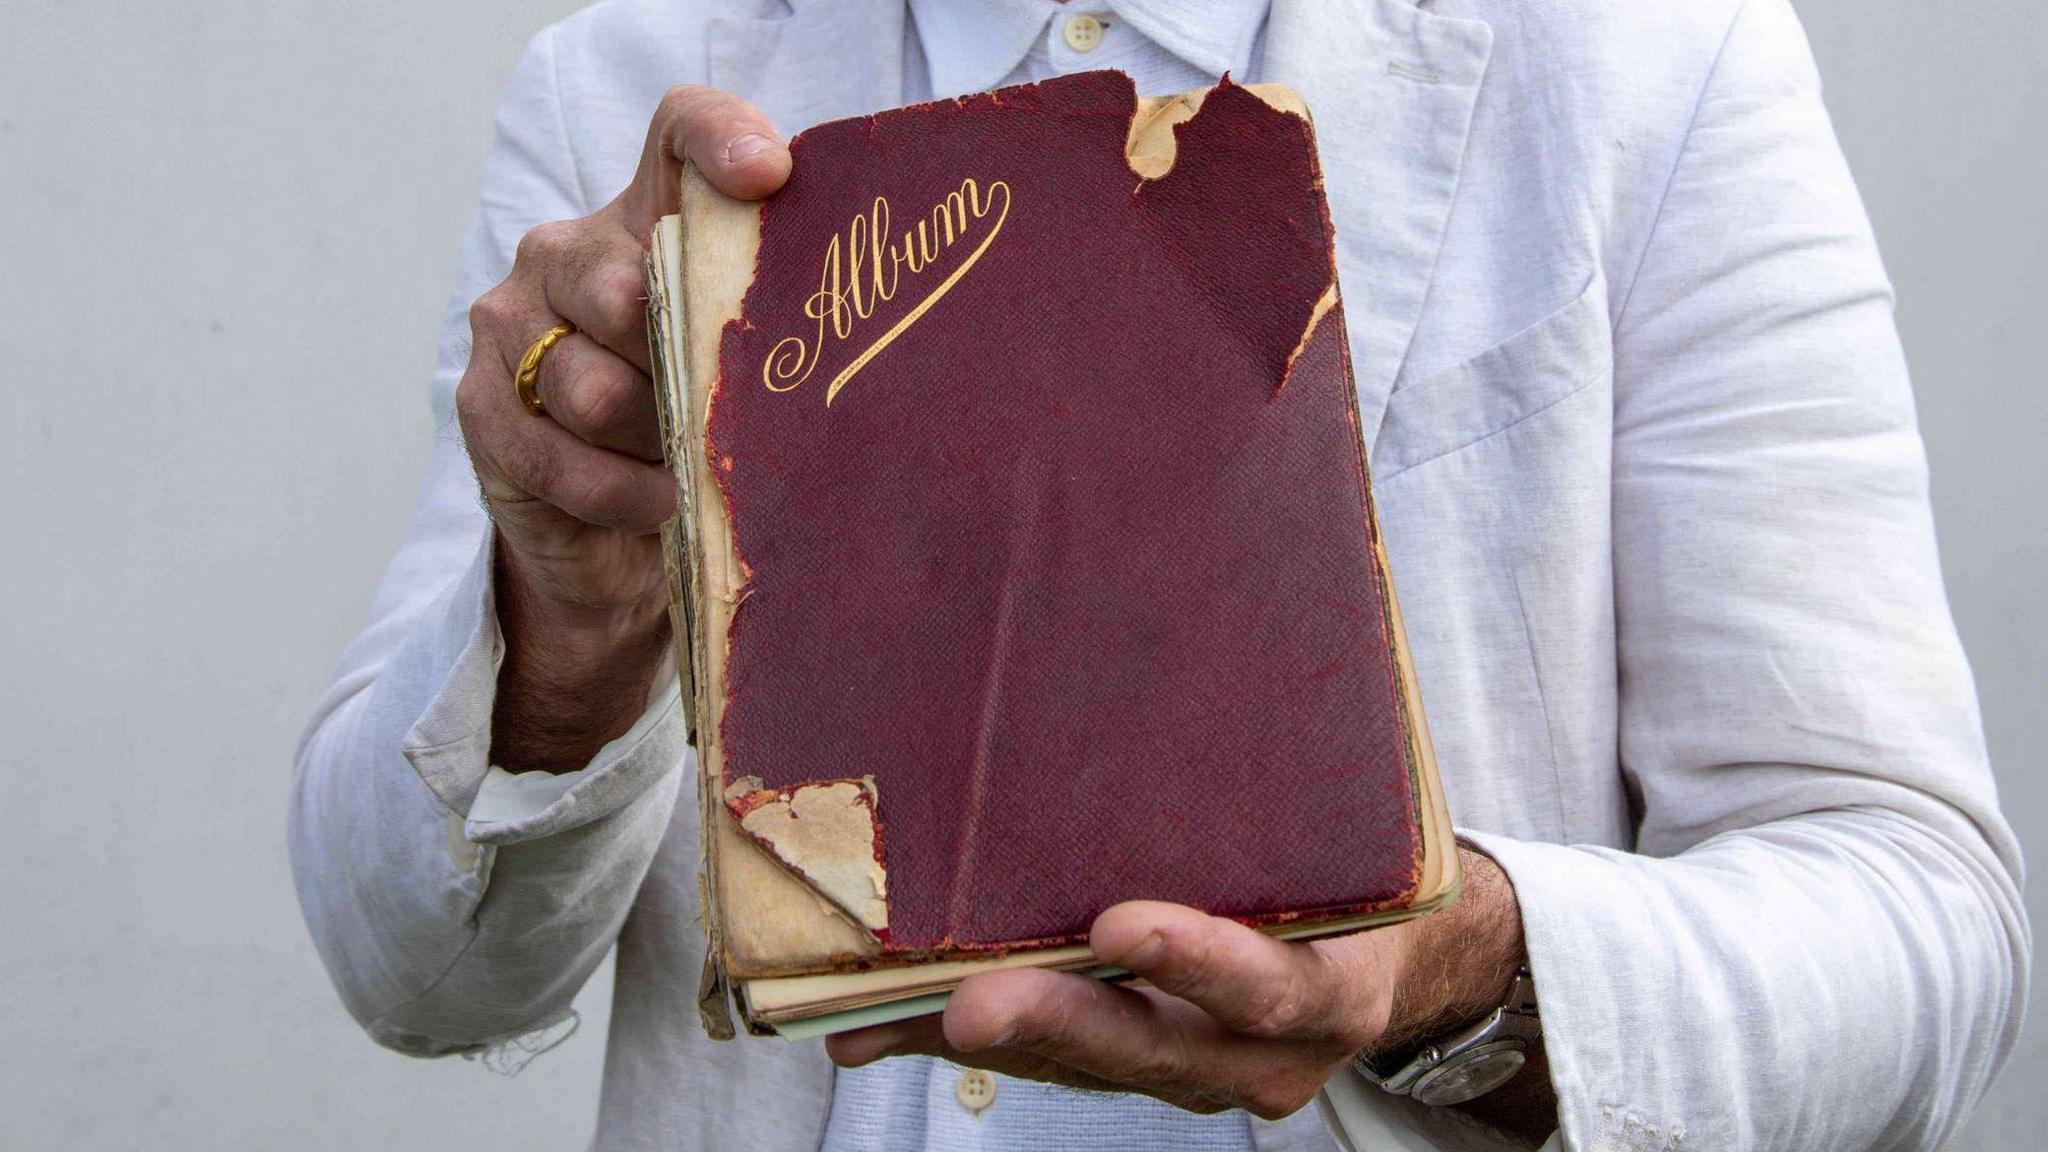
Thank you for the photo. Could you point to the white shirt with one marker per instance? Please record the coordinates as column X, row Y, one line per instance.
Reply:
column 1167, row 46
column 1643, row 449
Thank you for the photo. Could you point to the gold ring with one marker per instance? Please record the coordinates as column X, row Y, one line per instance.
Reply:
column 529, row 366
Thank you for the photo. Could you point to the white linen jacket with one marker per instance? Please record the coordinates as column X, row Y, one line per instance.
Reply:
column 1645, row 451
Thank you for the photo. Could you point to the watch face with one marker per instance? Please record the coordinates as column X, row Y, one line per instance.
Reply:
column 1470, row 1074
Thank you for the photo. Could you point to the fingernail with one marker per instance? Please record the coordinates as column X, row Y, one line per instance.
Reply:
column 752, row 144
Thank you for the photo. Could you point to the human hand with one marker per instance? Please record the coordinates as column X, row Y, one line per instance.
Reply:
column 578, row 492
column 1225, row 1017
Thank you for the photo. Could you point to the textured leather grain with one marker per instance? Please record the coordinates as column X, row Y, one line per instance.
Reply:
column 1078, row 564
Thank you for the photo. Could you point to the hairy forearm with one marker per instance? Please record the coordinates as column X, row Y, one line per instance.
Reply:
column 573, row 678
column 1460, row 965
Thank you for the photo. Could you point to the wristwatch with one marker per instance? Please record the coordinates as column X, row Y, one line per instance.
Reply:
column 1468, row 1063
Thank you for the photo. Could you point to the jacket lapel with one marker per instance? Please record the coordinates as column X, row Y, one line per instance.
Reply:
column 825, row 60
column 1392, row 89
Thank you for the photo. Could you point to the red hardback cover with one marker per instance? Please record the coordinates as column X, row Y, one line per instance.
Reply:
column 1077, row 561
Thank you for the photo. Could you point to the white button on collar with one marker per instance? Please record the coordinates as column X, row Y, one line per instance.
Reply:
column 1083, row 32
column 976, row 1089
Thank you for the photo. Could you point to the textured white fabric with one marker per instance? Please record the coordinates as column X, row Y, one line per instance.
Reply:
column 912, row 1107
column 1644, row 451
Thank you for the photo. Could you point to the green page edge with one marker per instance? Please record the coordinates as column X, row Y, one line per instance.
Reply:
column 893, row 1011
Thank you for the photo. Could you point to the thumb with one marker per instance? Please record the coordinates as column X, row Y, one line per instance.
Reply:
column 726, row 138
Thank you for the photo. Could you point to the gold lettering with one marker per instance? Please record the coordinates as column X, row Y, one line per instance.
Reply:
column 857, row 253
column 867, row 271
column 952, row 211
column 919, row 254
column 881, row 231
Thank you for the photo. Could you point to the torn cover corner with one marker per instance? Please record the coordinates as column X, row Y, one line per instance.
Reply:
column 714, row 999
column 1154, row 142
column 828, row 833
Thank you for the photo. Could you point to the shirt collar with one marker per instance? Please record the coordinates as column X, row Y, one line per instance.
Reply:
column 1215, row 36
column 972, row 45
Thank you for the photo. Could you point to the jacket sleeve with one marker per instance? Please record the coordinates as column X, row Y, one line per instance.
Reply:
column 445, row 934
column 1819, row 942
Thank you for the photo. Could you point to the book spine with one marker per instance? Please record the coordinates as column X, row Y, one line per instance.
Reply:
column 682, row 561
column 675, row 544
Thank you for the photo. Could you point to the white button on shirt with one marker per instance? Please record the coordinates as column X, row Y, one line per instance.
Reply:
column 976, row 1089
column 1083, row 32
column 919, row 1104
column 1167, row 46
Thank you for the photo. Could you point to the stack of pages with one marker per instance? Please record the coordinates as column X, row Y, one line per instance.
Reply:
column 1026, row 560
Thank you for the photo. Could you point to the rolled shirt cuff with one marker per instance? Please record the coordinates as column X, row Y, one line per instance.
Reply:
column 1573, row 920
column 449, row 744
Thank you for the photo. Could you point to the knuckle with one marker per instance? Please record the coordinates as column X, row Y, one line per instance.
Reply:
column 619, row 297
column 537, row 470
column 1275, row 1008
column 595, row 404
column 488, row 313
column 683, row 100
column 1197, row 960
column 1157, row 1064
column 569, row 400
column 609, row 304
column 469, row 406
column 697, row 121
column 596, row 492
column 1196, row 971
column 543, row 242
column 609, row 496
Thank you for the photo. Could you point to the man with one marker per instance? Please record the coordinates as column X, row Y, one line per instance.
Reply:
column 1644, row 449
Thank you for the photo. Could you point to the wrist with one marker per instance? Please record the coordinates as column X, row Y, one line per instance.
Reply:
column 1457, row 964
column 1456, row 968
column 574, row 675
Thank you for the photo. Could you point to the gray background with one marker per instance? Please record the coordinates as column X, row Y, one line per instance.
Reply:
column 224, row 235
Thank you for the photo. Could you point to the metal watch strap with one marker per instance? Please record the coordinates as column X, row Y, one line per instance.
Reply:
column 1468, row 1063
